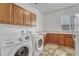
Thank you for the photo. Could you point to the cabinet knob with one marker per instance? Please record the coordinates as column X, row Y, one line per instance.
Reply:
column 20, row 39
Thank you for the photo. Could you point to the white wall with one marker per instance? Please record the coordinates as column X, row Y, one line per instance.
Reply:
column 53, row 18
column 14, row 28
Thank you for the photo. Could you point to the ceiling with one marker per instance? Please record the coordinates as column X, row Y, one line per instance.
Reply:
column 51, row 7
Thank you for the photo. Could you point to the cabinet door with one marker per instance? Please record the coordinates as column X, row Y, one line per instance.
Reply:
column 73, row 44
column 44, row 38
column 33, row 19
column 48, row 38
column 26, row 18
column 55, row 38
column 18, row 15
column 69, row 40
column 61, row 39
column 51, row 40
column 6, row 13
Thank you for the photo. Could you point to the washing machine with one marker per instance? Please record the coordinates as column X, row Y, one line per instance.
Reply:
column 37, row 40
column 14, row 44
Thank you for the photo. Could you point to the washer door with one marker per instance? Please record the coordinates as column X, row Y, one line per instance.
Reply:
column 39, row 44
column 22, row 50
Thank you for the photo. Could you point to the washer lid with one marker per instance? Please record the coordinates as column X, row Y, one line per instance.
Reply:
column 24, row 49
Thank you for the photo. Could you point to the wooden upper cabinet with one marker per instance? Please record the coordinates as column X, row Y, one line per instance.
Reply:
column 26, row 18
column 18, row 15
column 33, row 19
column 13, row 14
column 6, row 13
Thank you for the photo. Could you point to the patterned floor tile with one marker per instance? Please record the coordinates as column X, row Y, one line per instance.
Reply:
column 56, row 50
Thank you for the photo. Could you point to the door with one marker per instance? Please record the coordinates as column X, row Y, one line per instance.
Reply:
column 18, row 15
column 26, row 18
column 6, row 13
column 39, row 44
column 61, row 39
column 33, row 19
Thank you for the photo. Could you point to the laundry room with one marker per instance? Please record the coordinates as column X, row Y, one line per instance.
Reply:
column 39, row 29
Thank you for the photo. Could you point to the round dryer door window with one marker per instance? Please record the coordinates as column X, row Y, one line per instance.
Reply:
column 23, row 51
column 39, row 44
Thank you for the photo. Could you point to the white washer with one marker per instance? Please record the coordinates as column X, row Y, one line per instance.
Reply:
column 37, row 40
column 14, row 44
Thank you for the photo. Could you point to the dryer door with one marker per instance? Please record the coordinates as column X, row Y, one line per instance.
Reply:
column 39, row 44
column 24, row 49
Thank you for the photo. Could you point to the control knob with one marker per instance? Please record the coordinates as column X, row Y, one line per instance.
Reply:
column 20, row 39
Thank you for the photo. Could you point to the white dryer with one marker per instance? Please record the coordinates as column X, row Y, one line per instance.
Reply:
column 37, row 40
column 13, row 44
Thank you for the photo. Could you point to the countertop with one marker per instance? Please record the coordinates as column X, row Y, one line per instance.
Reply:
column 58, row 32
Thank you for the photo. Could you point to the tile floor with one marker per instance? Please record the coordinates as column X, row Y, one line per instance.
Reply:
column 55, row 50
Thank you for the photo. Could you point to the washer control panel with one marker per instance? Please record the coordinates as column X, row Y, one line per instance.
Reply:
column 11, row 41
column 15, row 38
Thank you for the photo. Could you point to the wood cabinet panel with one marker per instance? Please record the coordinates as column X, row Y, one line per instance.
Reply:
column 73, row 44
column 14, row 14
column 18, row 15
column 33, row 19
column 44, row 38
column 48, row 37
column 61, row 39
column 11, row 13
column 6, row 13
column 26, row 18
column 51, row 38
column 55, row 38
column 69, row 42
